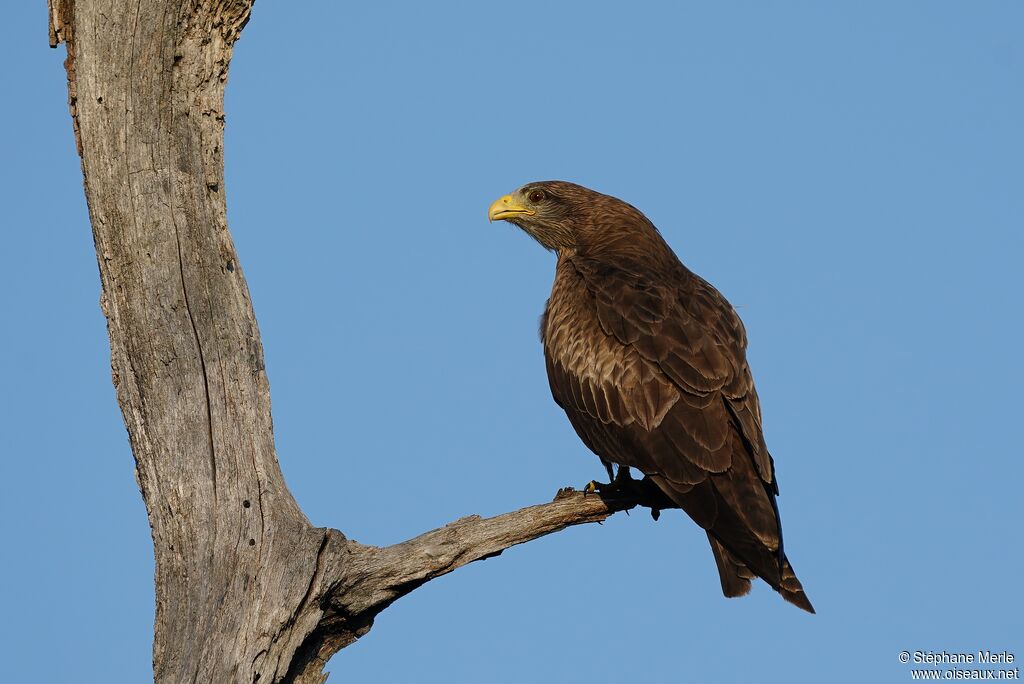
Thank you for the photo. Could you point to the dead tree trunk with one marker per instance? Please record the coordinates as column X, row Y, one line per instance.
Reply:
column 247, row 589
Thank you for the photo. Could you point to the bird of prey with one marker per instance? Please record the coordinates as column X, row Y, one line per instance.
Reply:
column 648, row 361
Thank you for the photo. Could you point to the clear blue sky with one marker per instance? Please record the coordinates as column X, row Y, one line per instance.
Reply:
column 850, row 175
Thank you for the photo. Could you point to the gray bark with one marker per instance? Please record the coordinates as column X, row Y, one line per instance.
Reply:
column 247, row 590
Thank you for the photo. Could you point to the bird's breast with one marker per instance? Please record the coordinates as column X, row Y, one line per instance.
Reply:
column 572, row 334
column 574, row 339
column 590, row 370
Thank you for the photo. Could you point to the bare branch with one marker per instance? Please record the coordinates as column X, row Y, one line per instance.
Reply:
column 364, row 580
column 401, row 568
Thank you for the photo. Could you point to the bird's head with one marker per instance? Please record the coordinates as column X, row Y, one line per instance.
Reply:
column 549, row 211
column 565, row 216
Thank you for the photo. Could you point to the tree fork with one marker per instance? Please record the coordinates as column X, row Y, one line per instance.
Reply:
column 247, row 590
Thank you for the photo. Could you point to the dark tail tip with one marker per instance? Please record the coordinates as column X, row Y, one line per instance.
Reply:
column 798, row 598
column 792, row 590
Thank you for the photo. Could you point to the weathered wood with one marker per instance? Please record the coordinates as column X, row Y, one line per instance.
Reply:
column 246, row 589
column 367, row 579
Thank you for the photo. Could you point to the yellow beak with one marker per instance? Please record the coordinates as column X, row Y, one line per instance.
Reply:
column 506, row 208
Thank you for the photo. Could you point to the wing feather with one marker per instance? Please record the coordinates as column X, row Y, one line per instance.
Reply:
column 651, row 370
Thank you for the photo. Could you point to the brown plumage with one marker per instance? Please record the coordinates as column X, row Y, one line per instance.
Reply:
column 648, row 360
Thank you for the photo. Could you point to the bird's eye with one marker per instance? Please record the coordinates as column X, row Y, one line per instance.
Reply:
column 536, row 196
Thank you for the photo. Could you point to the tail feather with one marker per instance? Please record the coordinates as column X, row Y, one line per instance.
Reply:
column 735, row 576
column 792, row 590
column 741, row 554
